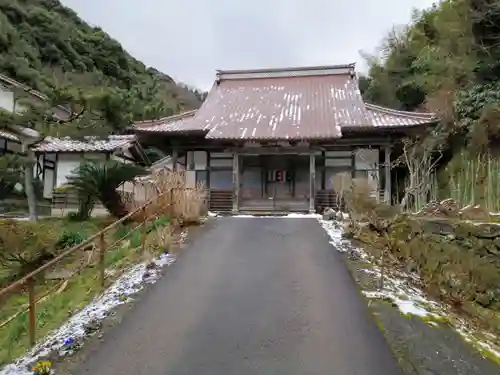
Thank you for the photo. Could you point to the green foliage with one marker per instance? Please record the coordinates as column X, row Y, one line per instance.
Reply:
column 10, row 174
column 453, row 262
column 447, row 60
column 477, row 110
column 69, row 239
column 472, row 179
column 158, row 223
column 123, row 232
column 48, row 47
column 100, row 181
column 431, row 52
column 135, row 239
column 436, row 52
column 24, row 246
column 470, row 102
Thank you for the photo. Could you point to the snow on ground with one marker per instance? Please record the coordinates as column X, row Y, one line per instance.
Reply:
column 288, row 216
column 292, row 215
column 74, row 330
column 409, row 299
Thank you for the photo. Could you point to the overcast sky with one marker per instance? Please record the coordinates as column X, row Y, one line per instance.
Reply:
column 190, row 39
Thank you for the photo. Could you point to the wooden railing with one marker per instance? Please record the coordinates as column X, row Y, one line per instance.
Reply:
column 29, row 283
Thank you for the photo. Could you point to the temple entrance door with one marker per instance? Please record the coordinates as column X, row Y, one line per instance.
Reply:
column 278, row 178
column 279, row 184
column 282, row 183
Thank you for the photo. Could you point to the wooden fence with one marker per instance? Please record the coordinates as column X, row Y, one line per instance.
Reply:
column 28, row 282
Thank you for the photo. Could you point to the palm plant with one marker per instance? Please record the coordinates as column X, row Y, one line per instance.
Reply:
column 100, row 180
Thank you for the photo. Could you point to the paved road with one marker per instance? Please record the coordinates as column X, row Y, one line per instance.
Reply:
column 251, row 296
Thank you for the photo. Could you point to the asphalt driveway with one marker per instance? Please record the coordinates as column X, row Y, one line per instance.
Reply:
column 251, row 296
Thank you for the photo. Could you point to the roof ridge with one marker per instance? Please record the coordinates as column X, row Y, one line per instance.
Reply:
column 286, row 72
column 287, row 69
column 167, row 119
column 421, row 115
column 180, row 115
column 67, row 144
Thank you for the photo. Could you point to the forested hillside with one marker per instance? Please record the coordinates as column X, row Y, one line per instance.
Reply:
column 447, row 60
column 48, row 47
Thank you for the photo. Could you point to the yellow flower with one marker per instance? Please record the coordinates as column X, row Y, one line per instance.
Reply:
column 42, row 368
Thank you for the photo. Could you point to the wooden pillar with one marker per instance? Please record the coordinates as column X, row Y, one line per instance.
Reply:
column 387, row 162
column 312, row 181
column 323, row 170
column 175, row 157
column 236, row 182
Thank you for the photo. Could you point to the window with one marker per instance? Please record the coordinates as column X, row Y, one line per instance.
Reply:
column 202, row 178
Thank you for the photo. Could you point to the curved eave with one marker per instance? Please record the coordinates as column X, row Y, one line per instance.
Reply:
column 416, row 115
column 171, row 132
column 176, row 124
column 387, row 129
column 384, row 118
column 276, row 139
column 9, row 136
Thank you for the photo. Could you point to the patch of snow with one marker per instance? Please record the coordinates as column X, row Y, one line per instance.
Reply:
column 301, row 216
column 407, row 304
column 484, row 344
column 288, row 216
column 213, row 214
column 20, row 218
column 408, row 299
column 335, row 232
column 119, row 293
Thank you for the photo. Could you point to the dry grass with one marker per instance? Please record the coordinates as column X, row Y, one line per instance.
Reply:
column 357, row 194
column 158, row 241
column 173, row 197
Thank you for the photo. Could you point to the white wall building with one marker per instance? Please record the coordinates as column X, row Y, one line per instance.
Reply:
column 57, row 158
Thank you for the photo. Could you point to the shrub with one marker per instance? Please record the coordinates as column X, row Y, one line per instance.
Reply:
column 99, row 181
column 25, row 246
column 69, row 239
column 457, row 267
column 158, row 223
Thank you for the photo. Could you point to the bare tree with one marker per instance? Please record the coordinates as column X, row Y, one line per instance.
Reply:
column 420, row 159
column 341, row 183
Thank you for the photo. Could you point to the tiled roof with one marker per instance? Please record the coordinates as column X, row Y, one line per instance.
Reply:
column 385, row 117
column 13, row 83
column 9, row 136
column 302, row 103
column 51, row 144
column 172, row 124
column 290, row 103
column 122, row 136
column 15, row 132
